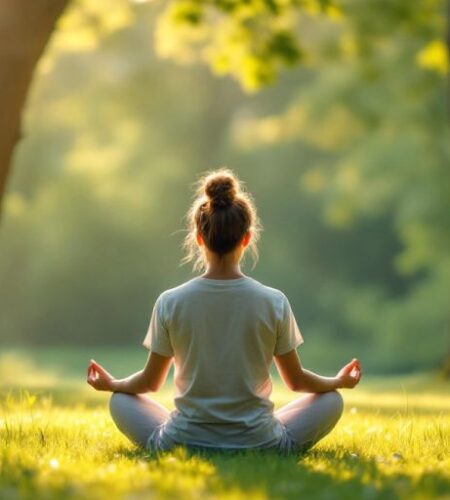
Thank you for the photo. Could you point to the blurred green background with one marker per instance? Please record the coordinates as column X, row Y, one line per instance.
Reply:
column 334, row 114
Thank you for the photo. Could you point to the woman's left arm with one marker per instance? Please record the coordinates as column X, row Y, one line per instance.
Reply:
column 149, row 379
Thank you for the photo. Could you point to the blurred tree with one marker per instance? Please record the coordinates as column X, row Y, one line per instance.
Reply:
column 351, row 178
column 379, row 134
column 25, row 28
column 250, row 40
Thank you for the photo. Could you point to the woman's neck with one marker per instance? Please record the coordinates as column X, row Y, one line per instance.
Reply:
column 215, row 271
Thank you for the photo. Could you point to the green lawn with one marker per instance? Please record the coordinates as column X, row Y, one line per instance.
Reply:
column 58, row 441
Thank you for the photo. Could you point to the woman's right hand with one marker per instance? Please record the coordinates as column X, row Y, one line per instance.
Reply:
column 349, row 376
column 99, row 378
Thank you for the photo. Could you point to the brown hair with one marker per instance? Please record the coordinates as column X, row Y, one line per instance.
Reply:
column 222, row 212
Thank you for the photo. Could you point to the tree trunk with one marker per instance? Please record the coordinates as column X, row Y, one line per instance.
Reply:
column 25, row 28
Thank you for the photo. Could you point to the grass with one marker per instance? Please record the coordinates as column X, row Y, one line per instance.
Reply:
column 58, row 441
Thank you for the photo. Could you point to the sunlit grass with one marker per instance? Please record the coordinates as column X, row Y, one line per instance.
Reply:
column 58, row 441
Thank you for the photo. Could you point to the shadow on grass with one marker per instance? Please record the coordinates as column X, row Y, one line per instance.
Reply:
column 334, row 474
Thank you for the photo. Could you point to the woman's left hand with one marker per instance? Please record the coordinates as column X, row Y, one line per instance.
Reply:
column 350, row 375
column 99, row 378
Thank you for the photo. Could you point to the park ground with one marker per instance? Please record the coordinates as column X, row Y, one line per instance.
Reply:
column 58, row 441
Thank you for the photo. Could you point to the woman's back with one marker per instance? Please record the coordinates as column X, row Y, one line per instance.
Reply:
column 223, row 329
column 223, row 335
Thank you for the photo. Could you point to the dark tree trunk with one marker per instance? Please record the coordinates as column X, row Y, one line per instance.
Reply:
column 25, row 28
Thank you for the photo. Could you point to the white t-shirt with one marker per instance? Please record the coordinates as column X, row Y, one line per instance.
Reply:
column 223, row 335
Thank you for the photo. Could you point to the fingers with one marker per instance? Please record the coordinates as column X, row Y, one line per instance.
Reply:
column 354, row 364
column 356, row 373
column 350, row 366
column 91, row 371
column 95, row 368
column 97, row 376
column 100, row 369
column 92, row 374
column 351, row 373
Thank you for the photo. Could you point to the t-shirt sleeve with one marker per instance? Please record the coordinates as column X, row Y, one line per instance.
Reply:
column 288, row 335
column 157, row 338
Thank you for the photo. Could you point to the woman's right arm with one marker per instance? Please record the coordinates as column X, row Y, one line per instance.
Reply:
column 149, row 379
column 299, row 379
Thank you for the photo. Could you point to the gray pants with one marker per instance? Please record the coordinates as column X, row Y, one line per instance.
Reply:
column 306, row 420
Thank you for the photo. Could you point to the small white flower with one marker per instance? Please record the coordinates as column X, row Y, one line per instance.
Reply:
column 54, row 464
column 353, row 410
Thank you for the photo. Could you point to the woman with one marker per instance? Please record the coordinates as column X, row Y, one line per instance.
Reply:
column 222, row 329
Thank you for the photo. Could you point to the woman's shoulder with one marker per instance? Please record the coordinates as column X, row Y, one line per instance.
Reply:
column 177, row 290
column 268, row 291
column 248, row 286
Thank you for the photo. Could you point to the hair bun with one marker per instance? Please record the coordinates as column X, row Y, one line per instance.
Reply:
column 221, row 190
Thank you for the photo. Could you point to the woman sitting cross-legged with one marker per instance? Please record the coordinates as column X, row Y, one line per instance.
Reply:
column 222, row 329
